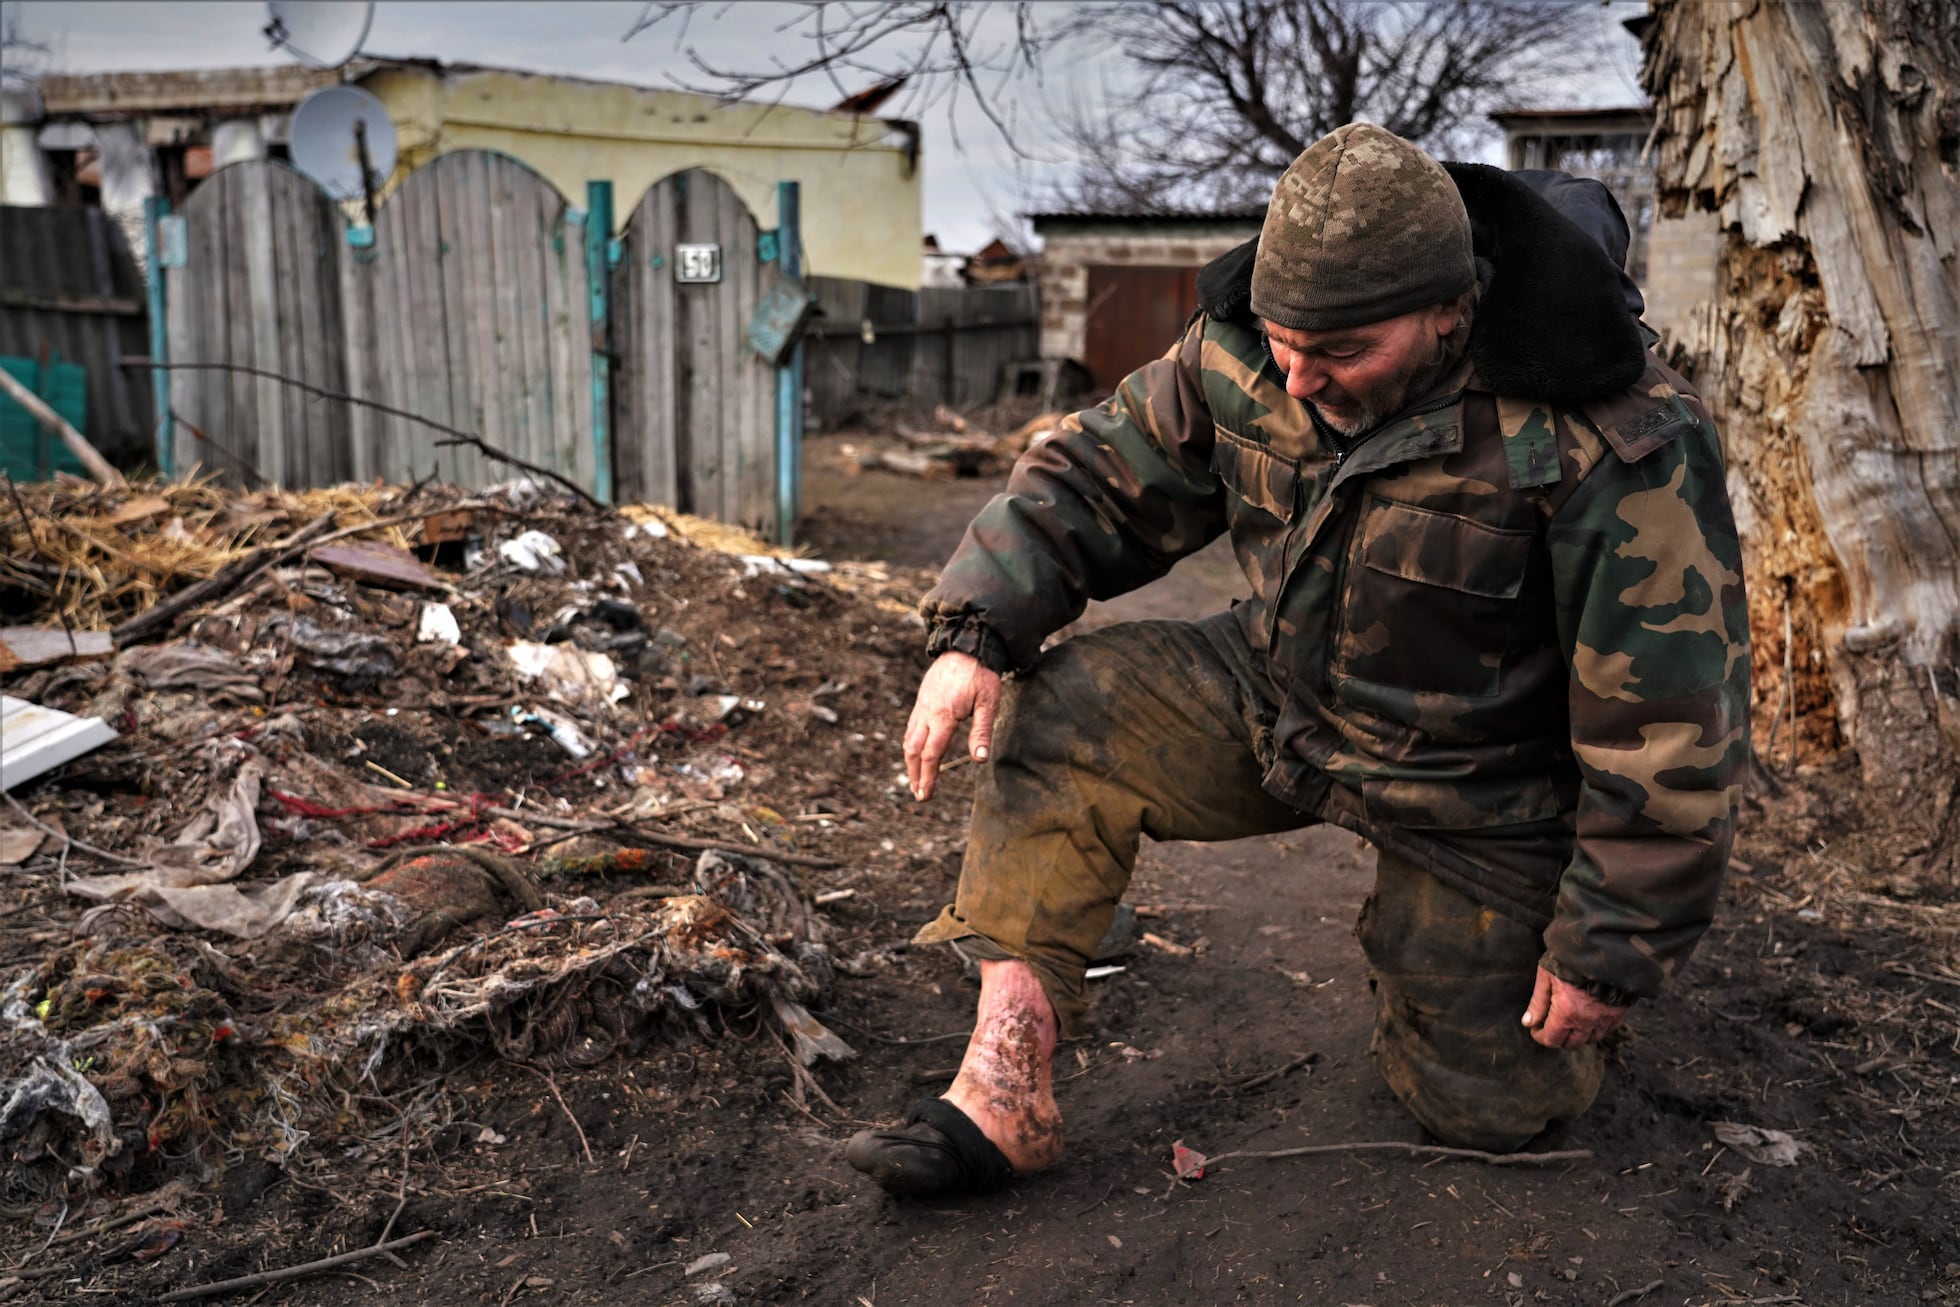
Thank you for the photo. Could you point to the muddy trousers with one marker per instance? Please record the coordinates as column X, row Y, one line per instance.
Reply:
column 1154, row 728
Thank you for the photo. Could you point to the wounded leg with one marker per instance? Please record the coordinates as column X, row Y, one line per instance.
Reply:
column 1006, row 1084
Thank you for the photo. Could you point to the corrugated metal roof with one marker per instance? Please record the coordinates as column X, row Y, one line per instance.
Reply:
column 34, row 739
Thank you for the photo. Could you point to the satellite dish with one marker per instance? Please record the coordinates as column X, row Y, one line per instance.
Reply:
column 333, row 132
column 318, row 33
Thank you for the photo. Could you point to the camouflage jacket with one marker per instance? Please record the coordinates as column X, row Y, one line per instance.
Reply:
column 1505, row 630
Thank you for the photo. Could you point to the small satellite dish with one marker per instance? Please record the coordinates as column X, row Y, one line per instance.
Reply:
column 318, row 33
column 333, row 132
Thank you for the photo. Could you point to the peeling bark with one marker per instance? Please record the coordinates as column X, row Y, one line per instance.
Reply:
column 1826, row 135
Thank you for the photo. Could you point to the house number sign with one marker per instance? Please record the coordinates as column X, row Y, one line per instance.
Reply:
column 697, row 263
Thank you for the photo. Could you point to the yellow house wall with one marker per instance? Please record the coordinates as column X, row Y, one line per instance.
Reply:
column 861, row 199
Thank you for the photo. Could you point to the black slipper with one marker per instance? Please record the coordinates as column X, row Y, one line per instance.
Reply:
column 937, row 1151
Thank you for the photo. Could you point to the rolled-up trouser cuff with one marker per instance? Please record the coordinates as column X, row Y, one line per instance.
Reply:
column 1061, row 980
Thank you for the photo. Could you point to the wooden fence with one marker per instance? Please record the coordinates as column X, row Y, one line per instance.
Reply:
column 934, row 346
column 483, row 301
column 473, row 309
column 70, row 293
column 469, row 309
column 697, row 405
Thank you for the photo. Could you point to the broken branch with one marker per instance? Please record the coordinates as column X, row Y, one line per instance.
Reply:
column 293, row 1272
column 1420, row 1150
column 728, row 846
column 154, row 621
column 456, row 437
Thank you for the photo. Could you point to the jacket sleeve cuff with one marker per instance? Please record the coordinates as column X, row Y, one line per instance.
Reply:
column 1610, row 994
column 970, row 635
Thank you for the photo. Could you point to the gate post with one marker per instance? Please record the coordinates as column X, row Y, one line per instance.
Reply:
column 789, row 376
column 598, row 275
column 155, row 209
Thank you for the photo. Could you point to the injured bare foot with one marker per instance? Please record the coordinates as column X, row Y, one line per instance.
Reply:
column 1006, row 1084
column 998, row 1119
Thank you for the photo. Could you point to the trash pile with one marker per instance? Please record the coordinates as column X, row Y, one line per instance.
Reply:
column 953, row 448
column 392, row 774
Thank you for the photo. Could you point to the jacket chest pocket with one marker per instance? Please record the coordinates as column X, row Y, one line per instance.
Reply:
column 1430, row 600
column 1264, row 480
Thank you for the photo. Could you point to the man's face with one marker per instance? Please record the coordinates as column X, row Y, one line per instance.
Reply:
column 1358, row 376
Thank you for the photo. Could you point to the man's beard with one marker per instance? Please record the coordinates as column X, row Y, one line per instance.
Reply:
column 1370, row 410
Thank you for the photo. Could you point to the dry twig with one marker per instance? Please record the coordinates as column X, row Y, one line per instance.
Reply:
column 293, row 1272
column 552, row 1085
column 1420, row 1150
column 456, row 437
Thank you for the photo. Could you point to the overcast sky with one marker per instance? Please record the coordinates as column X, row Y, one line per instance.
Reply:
column 971, row 173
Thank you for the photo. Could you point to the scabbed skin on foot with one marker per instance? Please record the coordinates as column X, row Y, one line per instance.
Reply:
column 938, row 1151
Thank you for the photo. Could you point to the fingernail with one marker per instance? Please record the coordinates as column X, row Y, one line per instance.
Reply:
column 981, row 753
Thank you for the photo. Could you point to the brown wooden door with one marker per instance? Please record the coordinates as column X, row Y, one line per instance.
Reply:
column 1135, row 313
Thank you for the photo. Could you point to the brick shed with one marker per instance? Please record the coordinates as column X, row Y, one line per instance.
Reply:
column 1117, row 289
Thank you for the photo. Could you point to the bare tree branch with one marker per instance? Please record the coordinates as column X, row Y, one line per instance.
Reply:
column 934, row 48
column 1233, row 92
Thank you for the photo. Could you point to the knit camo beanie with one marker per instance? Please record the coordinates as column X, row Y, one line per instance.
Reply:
column 1361, row 228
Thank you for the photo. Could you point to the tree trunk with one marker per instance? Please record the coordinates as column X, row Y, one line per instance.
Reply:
column 1826, row 134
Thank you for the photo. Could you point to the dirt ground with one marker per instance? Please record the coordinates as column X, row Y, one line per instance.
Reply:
column 703, row 1169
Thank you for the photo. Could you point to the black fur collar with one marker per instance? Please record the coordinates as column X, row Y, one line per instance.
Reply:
column 1553, row 322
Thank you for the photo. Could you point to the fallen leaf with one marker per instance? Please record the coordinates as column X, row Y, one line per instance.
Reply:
column 1760, row 1143
column 1188, row 1163
column 1733, row 1187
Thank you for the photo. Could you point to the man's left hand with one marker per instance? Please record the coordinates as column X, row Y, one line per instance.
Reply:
column 1565, row 1016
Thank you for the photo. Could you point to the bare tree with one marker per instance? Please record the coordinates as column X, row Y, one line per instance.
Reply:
column 937, row 49
column 22, row 59
column 1232, row 93
column 1827, row 138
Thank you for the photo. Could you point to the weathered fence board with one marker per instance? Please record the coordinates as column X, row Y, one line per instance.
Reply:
column 470, row 306
column 70, row 292
column 936, row 346
column 697, row 416
column 257, row 288
column 462, row 313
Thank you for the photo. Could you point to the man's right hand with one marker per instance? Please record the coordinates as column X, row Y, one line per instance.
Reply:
column 957, row 686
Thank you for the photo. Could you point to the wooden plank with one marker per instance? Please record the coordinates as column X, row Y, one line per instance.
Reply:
column 647, row 441
column 23, row 647
column 702, row 376
column 481, row 287
column 241, row 437
column 323, row 338
column 534, row 207
column 641, row 475
column 374, row 563
column 638, row 469
column 570, row 396
column 750, row 445
column 358, row 355
column 438, row 359
column 626, row 303
column 669, row 353
column 525, row 263
column 262, row 335
column 501, row 326
column 408, row 328
column 460, row 464
column 567, row 316
column 288, row 269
